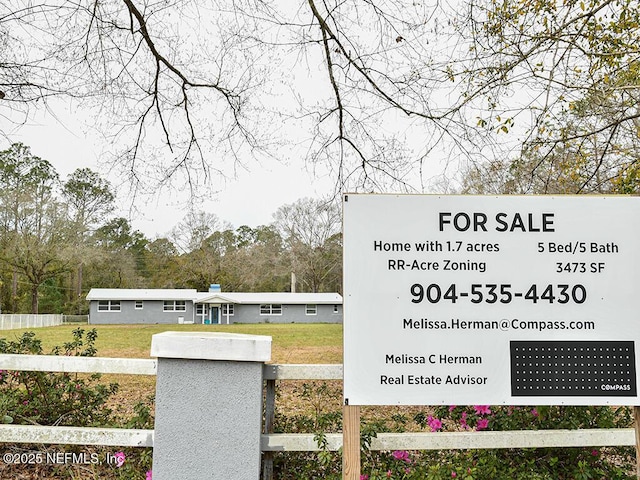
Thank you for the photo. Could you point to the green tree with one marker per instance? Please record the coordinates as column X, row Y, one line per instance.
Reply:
column 121, row 262
column 89, row 197
column 163, row 263
column 34, row 235
column 90, row 200
column 260, row 262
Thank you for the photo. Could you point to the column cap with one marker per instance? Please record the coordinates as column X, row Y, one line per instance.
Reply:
column 211, row 346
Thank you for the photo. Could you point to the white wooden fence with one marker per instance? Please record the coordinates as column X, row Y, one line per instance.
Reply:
column 280, row 442
column 10, row 321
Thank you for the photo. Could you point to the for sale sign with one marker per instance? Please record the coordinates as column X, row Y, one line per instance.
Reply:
column 491, row 300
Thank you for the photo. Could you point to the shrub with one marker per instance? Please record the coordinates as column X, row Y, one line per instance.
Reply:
column 80, row 400
column 47, row 398
column 499, row 464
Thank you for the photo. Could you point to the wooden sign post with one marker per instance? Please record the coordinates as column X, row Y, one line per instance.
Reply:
column 351, row 442
column 636, row 412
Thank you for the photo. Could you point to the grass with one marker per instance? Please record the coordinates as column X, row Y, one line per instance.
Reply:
column 292, row 343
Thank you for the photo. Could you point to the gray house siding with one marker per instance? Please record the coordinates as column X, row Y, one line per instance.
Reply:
column 290, row 314
column 176, row 306
column 152, row 312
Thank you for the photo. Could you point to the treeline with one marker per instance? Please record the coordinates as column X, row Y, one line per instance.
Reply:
column 60, row 237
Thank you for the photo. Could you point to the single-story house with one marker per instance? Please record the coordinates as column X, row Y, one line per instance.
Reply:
column 181, row 305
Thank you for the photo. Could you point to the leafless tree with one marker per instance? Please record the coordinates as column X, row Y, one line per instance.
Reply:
column 311, row 230
column 375, row 91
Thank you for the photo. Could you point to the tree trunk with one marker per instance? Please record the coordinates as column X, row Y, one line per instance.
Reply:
column 34, row 299
column 14, row 292
column 79, row 288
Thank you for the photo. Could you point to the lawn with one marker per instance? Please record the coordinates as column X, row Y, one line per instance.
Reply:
column 292, row 343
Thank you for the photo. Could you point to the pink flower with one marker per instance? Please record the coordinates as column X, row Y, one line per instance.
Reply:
column 454, row 474
column 120, row 458
column 595, row 453
column 362, row 477
column 452, row 408
column 434, row 423
column 534, row 412
column 149, row 476
column 482, row 409
column 463, row 421
column 388, row 473
column 482, row 424
column 402, row 455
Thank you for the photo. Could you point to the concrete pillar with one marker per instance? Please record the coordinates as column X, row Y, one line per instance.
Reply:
column 208, row 405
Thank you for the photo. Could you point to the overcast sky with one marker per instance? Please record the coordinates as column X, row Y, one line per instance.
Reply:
column 249, row 199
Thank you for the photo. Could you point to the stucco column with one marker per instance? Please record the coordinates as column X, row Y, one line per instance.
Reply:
column 208, row 405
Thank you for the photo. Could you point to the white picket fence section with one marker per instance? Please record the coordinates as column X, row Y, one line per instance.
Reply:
column 9, row 321
column 280, row 442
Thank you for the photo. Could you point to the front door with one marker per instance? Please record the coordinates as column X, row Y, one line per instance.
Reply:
column 214, row 315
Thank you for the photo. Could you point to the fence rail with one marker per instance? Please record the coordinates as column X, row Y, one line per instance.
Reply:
column 280, row 442
column 112, row 437
column 285, row 442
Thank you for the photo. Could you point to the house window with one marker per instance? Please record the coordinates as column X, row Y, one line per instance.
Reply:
column 108, row 305
column 174, row 306
column 271, row 309
column 311, row 309
column 227, row 309
column 139, row 304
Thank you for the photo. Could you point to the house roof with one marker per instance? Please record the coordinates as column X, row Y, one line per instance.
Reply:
column 212, row 297
column 269, row 297
column 142, row 294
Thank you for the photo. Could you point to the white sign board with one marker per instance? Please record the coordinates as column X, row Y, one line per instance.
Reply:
column 520, row 300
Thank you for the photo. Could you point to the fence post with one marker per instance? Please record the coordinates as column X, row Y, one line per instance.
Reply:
column 208, row 405
column 636, row 415
column 269, row 419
